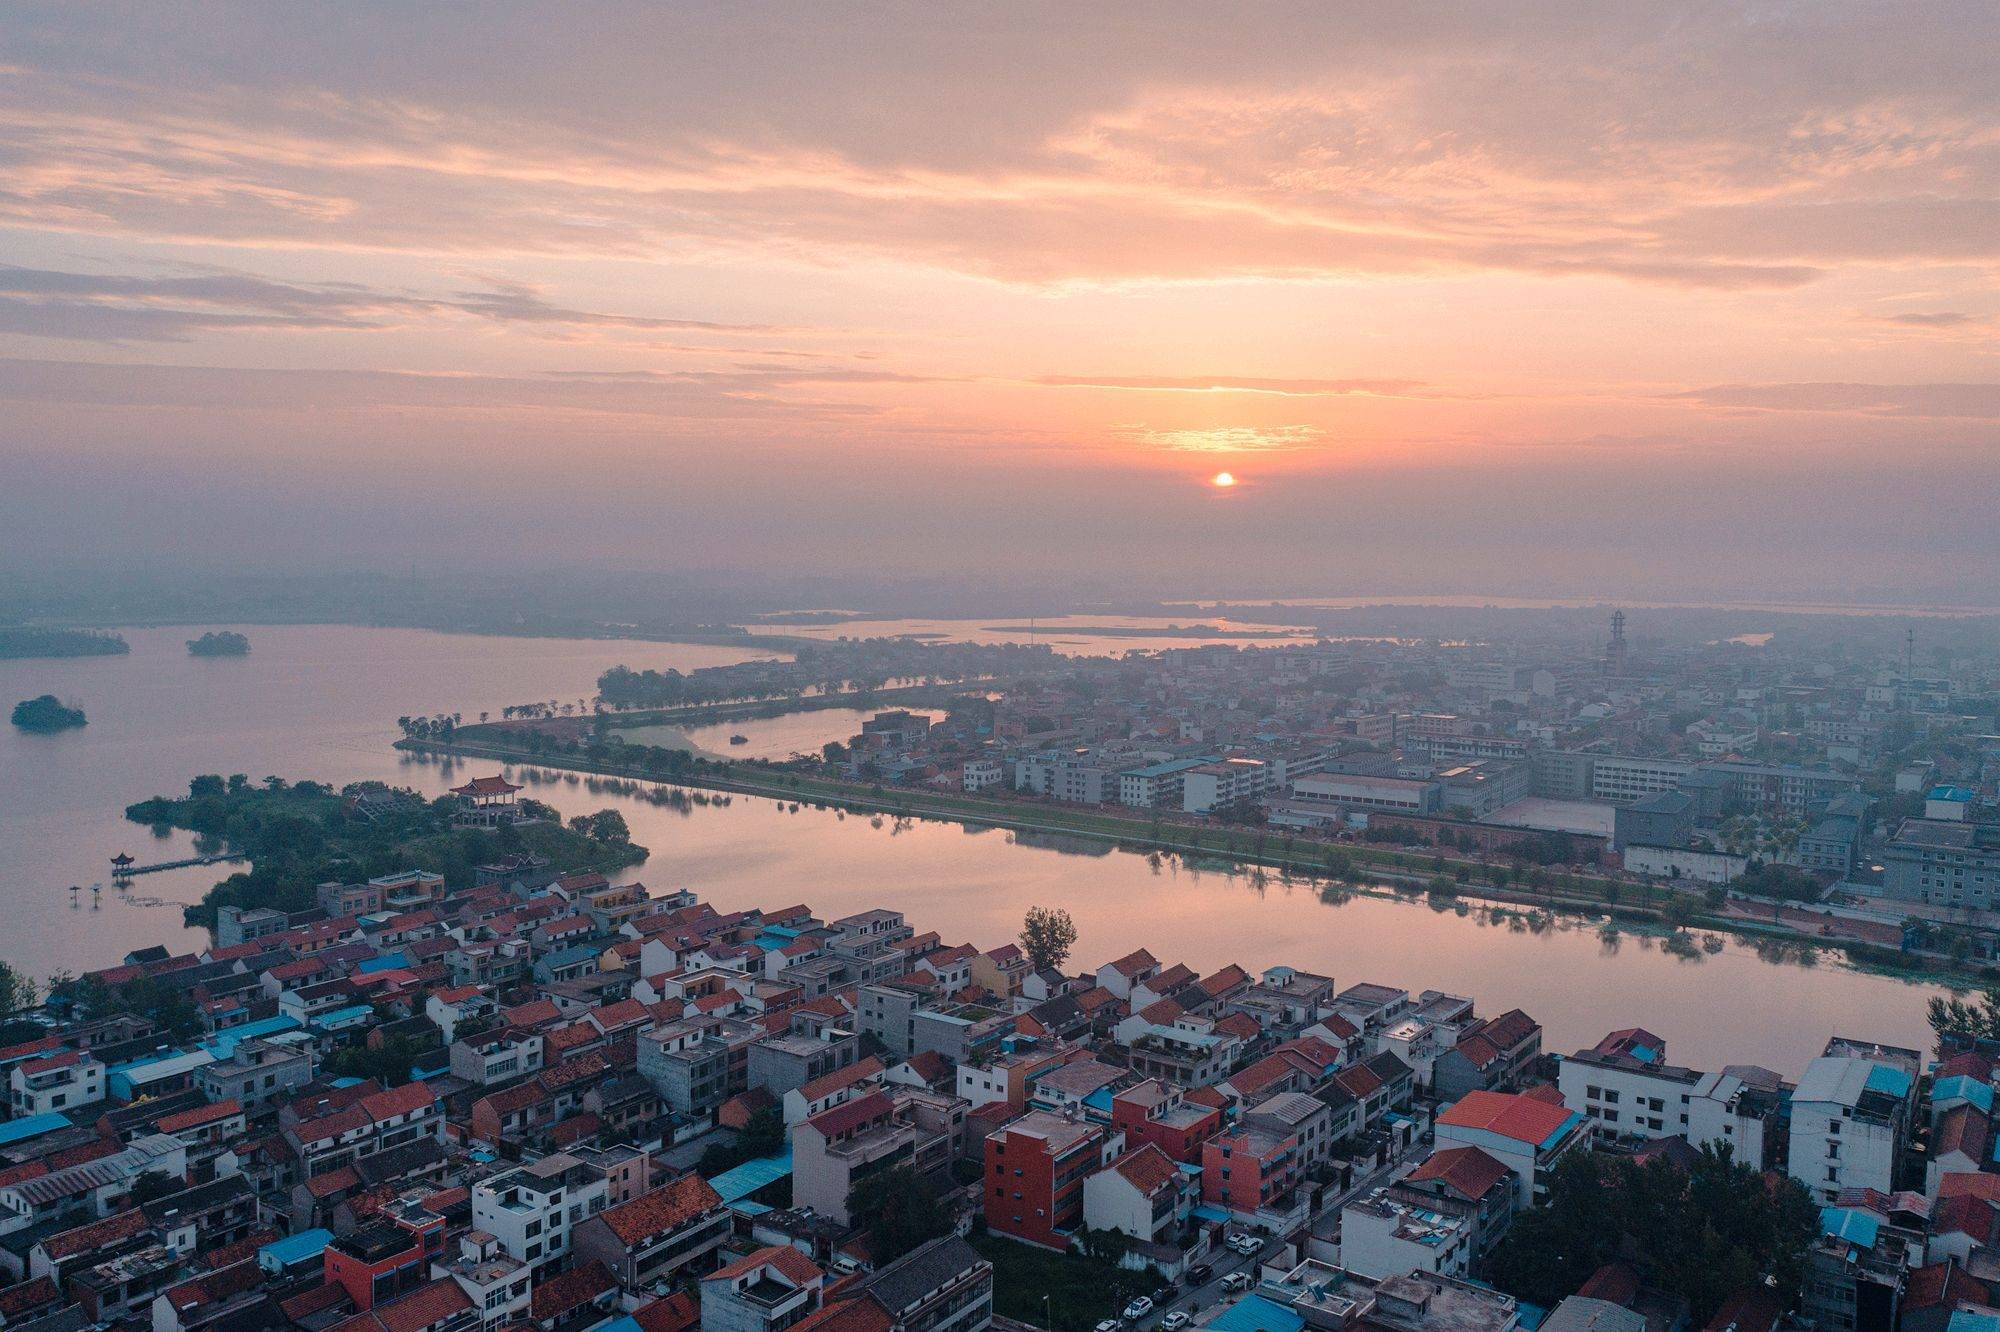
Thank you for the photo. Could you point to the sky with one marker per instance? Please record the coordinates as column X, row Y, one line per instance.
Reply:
column 1553, row 298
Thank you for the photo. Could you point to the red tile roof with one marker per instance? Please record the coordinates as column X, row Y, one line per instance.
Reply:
column 570, row 1290
column 1522, row 1118
column 671, row 1205
column 789, row 1262
column 1466, row 1171
column 207, row 1114
column 1148, row 1170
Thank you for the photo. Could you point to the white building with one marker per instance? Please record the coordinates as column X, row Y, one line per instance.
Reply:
column 1688, row 863
column 531, row 1210
column 982, row 774
column 1213, row 786
column 1406, row 794
column 1850, row 1122
column 1143, row 1194
column 61, row 1081
column 1626, row 1097
column 1394, row 1231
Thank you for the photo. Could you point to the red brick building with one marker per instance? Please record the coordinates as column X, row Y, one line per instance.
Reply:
column 1159, row 1115
column 1035, row 1168
column 1248, row 1170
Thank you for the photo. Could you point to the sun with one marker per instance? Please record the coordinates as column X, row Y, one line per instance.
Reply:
column 1223, row 480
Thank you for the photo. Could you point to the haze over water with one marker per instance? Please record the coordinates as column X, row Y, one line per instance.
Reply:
column 321, row 701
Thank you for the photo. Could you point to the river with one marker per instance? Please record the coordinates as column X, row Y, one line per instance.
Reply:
column 321, row 702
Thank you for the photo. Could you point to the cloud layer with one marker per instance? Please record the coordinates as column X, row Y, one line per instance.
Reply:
column 1023, row 240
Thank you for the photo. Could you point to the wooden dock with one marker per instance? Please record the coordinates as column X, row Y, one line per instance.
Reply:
column 128, row 871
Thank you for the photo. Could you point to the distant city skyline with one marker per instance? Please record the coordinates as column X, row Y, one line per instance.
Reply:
column 1548, row 299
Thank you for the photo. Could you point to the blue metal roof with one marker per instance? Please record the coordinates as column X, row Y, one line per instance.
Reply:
column 1846, row 1223
column 1956, row 794
column 1971, row 1320
column 32, row 1126
column 386, row 962
column 223, row 1044
column 746, row 1179
column 1888, row 1078
column 1254, row 1313
column 1964, row 1088
column 295, row 1248
column 351, row 1013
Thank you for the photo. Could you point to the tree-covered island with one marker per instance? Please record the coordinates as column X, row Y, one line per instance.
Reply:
column 300, row 834
column 47, row 714
column 219, row 643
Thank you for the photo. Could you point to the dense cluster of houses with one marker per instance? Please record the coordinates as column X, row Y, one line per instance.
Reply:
column 547, row 1101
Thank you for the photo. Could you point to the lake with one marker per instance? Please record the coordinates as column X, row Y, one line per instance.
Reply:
column 321, row 702
column 779, row 737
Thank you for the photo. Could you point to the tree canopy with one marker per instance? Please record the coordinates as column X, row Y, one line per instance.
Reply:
column 1701, row 1234
column 1047, row 935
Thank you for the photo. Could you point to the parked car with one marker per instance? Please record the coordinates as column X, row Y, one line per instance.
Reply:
column 1164, row 1293
column 1236, row 1281
column 1175, row 1321
column 1138, row 1308
column 1246, row 1244
column 1108, row 1325
column 1199, row 1274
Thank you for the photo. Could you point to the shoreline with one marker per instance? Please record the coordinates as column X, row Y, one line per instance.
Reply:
column 1383, row 867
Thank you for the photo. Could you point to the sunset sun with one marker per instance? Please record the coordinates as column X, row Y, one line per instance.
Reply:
column 1223, row 480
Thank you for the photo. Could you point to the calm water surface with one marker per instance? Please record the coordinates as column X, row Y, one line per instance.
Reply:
column 777, row 737
column 321, row 702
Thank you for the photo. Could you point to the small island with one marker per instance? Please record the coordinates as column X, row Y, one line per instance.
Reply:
column 47, row 714
column 18, row 641
column 219, row 643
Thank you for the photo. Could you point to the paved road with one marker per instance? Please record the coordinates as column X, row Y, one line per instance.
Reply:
column 1225, row 1260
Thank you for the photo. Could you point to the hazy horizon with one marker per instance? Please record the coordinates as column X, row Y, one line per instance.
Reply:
column 1549, row 300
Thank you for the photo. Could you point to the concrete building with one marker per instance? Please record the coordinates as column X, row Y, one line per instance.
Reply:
column 1529, row 1136
column 1394, row 1230
column 1142, row 1194
column 674, row 1230
column 1943, row 863
column 764, row 1292
column 837, row 1149
column 532, row 1210
column 1035, row 1172
column 65, row 1081
column 1851, row 1122
column 1629, row 1092
column 1410, row 795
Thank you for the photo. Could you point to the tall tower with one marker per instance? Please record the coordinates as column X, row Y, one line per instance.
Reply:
column 1614, row 651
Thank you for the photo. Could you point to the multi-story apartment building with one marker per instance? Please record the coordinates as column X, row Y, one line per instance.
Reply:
column 65, row 1081
column 1944, row 863
column 1035, row 1171
column 837, row 1149
column 1628, row 1091
column 257, row 1073
column 1851, row 1122
column 1250, row 1171
column 533, row 1210
column 1232, row 781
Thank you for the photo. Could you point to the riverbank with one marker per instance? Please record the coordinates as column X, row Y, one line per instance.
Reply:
column 1343, row 864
